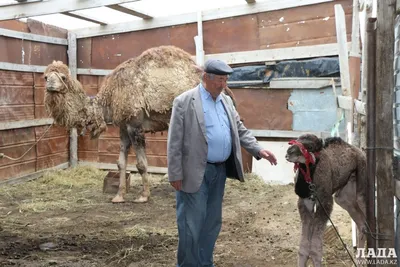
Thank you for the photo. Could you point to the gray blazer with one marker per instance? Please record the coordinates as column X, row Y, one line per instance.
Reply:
column 187, row 141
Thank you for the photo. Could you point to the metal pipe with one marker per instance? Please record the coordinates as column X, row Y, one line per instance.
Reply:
column 371, row 121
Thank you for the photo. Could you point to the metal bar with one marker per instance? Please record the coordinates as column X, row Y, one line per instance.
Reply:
column 24, row 124
column 33, row 37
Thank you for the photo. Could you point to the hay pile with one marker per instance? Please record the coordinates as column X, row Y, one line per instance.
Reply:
column 148, row 83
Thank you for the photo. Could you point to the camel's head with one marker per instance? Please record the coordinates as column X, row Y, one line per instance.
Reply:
column 307, row 143
column 57, row 77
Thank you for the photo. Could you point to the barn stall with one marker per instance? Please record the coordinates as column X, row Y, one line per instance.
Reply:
column 288, row 61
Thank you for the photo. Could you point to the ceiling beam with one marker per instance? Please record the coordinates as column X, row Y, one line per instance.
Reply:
column 130, row 11
column 31, row 9
column 228, row 12
column 85, row 17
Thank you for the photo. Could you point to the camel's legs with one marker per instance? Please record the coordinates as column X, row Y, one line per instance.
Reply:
column 319, row 224
column 305, row 207
column 122, row 162
column 139, row 144
column 348, row 200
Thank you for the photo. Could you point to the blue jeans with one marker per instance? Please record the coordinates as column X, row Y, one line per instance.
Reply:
column 199, row 219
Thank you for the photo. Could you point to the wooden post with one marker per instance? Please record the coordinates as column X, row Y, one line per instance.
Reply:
column 199, row 40
column 384, row 121
column 72, row 63
column 370, row 43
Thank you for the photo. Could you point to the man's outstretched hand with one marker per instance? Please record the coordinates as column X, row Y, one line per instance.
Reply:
column 265, row 154
column 177, row 185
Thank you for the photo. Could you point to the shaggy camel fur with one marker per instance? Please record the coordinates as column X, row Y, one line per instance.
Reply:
column 137, row 96
column 335, row 167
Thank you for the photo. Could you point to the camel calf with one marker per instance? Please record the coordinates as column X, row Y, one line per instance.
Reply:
column 330, row 166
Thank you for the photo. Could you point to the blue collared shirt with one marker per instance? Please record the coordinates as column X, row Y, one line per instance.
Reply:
column 217, row 127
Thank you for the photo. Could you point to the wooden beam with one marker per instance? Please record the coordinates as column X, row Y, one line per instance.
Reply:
column 199, row 40
column 130, row 11
column 238, row 10
column 278, row 54
column 85, row 17
column 24, row 124
column 18, row 2
column 72, row 64
column 342, row 49
column 384, row 122
column 22, row 67
column 285, row 134
column 302, row 83
column 32, row 9
column 32, row 37
column 32, row 176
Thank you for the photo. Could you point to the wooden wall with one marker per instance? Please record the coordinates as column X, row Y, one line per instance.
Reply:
column 22, row 98
column 308, row 25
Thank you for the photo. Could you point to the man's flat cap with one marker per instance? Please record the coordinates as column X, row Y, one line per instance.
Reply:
column 217, row 67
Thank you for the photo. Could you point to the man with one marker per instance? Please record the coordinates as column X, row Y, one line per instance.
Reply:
column 204, row 139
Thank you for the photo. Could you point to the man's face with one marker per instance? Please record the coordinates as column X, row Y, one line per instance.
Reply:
column 215, row 82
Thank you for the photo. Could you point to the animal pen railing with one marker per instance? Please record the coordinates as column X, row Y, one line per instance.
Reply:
column 85, row 59
column 86, row 52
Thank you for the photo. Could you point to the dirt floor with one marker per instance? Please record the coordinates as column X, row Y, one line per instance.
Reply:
column 64, row 219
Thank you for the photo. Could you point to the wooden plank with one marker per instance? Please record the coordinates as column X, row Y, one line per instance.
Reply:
column 32, row 37
column 89, row 83
column 15, row 78
column 384, row 122
column 54, row 131
column 234, row 11
column 221, row 36
column 111, row 146
column 278, row 54
column 152, row 160
column 24, row 124
column 300, row 32
column 110, row 166
column 84, row 52
column 130, row 11
column 110, row 51
column 271, row 102
column 40, row 112
column 16, row 152
column 86, row 144
column 52, row 7
column 52, row 145
column 15, row 170
column 198, row 39
column 85, row 17
column 16, row 95
column 182, row 37
column 88, row 156
column 284, row 134
column 22, row 67
column 17, row 136
column 72, row 64
column 16, row 113
column 302, row 83
column 51, row 160
column 343, row 49
column 39, row 95
column 28, row 176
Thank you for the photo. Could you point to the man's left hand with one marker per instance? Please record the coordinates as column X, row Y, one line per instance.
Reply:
column 265, row 154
